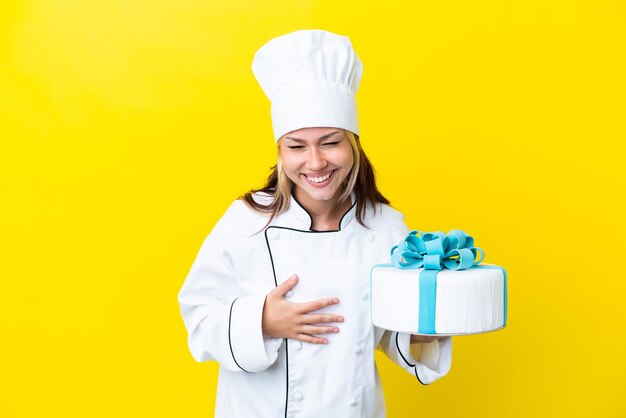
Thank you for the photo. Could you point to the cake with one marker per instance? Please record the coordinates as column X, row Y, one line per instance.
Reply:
column 435, row 285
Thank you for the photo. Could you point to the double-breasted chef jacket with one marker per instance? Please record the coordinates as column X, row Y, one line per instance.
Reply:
column 222, row 300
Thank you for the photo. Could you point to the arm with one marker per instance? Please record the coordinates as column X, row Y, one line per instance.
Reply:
column 222, row 324
column 427, row 361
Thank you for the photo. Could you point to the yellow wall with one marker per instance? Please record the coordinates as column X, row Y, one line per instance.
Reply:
column 127, row 127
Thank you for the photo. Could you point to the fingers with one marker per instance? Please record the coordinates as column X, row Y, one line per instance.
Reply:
column 305, row 338
column 423, row 338
column 308, row 333
column 317, row 304
column 319, row 319
column 293, row 318
column 314, row 330
column 285, row 286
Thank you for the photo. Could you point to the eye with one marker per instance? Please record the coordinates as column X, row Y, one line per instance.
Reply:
column 294, row 146
column 330, row 143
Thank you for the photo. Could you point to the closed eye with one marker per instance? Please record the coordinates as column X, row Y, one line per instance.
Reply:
column 294, row 147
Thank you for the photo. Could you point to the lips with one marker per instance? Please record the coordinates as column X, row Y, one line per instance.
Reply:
column 319, row 180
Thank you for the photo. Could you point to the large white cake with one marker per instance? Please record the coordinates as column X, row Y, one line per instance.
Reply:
column 453, row 295
column 466, row 302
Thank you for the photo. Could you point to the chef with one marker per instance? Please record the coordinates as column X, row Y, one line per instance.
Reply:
column 279, row 292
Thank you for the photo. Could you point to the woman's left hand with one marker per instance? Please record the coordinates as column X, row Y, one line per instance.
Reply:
column 423, row 338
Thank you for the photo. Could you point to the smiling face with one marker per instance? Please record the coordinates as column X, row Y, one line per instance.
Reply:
column 317, row 161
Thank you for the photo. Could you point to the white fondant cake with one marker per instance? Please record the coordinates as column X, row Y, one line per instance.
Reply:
column 466, row 301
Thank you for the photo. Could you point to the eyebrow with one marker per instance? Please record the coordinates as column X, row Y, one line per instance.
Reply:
column 321, row 138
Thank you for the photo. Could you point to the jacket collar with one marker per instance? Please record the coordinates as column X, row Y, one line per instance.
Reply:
column 297, row 217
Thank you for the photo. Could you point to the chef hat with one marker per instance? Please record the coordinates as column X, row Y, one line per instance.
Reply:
column 311, row 78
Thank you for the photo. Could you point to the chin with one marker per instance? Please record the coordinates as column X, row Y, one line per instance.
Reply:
column 319, row 194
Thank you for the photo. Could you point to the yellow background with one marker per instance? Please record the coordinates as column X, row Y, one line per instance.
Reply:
column 127, row 127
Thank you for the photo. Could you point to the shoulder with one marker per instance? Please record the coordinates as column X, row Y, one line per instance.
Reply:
column 383, row 213
column 241, row 219
column 390, row 213
column 386, row 221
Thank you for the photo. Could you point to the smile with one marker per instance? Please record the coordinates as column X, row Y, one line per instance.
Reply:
column 320, row 180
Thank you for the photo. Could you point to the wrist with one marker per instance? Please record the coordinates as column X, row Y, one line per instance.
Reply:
column 423, row 338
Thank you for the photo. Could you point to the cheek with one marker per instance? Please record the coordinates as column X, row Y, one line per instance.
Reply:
column 345, row 159
column 290, row 167
column 350, row 160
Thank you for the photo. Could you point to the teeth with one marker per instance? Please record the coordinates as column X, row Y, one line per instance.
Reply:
column 319, row 179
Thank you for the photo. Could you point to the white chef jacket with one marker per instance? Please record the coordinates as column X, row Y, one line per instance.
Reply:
column 222, row 300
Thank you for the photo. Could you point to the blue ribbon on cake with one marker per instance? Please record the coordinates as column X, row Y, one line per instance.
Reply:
column 434, row 251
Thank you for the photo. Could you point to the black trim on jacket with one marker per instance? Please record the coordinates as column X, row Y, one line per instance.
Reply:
column 407, row 363
column 230, row 314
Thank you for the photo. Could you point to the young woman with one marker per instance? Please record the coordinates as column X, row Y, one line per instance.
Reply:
column 279, row 291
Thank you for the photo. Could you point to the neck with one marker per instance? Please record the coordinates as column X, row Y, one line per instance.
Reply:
column 325, row 214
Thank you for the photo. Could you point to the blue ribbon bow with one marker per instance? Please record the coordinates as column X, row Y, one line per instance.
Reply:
column 436, row 250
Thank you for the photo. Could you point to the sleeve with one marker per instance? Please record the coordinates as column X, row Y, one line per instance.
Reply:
column 427, row 361
column 222, row 324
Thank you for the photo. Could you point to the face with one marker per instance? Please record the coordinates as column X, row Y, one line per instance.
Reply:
column 317, row 160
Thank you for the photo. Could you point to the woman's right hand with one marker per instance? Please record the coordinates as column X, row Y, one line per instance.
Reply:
column 284, row 319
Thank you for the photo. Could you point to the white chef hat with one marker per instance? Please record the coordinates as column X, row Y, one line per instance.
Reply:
column 311, row 78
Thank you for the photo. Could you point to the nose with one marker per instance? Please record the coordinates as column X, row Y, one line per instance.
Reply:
column 316, row 160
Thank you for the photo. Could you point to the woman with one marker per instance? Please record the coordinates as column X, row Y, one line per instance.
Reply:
column 279, row 292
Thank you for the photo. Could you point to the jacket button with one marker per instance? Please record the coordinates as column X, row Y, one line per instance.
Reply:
column 297, row 345
column 371, row 237
column 353, row 402
column 298, row 396
column 357, row 350
column 289, row 294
